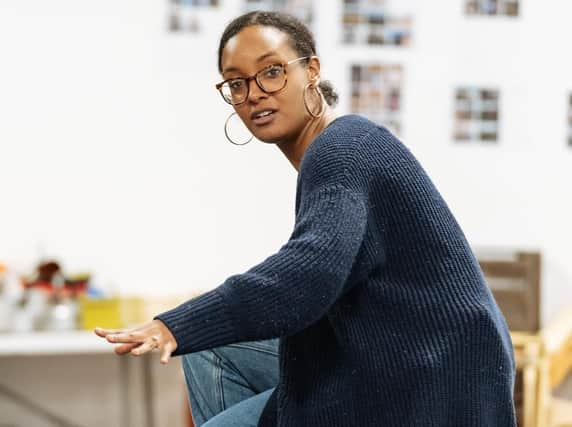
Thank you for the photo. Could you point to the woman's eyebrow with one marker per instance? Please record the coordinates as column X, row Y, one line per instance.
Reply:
column 259, row 59
column 266, row 55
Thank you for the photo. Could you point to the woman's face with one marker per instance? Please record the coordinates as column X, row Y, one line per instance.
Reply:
column 250, row 51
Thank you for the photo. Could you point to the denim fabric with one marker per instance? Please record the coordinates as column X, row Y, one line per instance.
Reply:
column 229, row 386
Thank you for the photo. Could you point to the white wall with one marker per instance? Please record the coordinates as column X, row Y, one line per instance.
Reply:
column 113, row 157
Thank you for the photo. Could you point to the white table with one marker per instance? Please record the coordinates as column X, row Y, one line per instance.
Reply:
column 74, row 343
column 52, row 343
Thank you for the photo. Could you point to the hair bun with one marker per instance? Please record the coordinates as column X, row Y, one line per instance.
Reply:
column 330, row 94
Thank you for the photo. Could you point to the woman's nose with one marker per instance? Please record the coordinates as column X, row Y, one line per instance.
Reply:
column 254, row 91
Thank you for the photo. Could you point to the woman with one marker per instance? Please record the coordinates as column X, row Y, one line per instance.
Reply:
column 381, row 310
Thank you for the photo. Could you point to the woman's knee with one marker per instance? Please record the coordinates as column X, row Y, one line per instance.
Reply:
column 199, row 361
column 254, row 364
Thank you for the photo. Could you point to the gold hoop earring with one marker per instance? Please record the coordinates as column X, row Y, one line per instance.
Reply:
column 319, row 92
column 226, row 133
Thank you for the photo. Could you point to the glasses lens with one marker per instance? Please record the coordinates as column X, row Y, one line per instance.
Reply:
column 234, row 91
column 272, row 79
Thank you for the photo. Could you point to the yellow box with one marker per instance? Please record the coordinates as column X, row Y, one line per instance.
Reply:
column 111, row 313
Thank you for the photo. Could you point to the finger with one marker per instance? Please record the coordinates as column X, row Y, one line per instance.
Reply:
column 104, row 332
column 126, row 337
column 146, row 347
column 166, row 352
column 125, row 348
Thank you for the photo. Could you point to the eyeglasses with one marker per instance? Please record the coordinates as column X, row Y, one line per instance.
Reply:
column 270, row 80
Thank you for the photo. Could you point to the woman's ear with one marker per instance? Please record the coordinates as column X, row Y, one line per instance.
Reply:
column 314, row 70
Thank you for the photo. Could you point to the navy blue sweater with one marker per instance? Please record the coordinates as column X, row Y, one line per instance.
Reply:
column 384, row 316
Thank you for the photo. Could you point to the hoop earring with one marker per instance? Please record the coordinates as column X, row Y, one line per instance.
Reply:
column 319, row 92
column 226, row 133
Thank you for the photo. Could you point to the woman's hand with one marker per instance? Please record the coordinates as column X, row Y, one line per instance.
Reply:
column 142, row 339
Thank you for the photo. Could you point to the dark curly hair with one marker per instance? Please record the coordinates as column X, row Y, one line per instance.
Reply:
column 300, row 37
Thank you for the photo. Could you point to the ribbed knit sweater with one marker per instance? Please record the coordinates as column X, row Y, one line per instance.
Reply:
column 384, row 316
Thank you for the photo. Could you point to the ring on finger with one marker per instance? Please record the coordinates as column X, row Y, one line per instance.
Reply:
column 154, row 342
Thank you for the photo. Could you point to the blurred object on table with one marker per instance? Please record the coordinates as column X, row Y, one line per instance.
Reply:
column 5, row 305
column 3, row 271
column 47, row 299
column 61, row 313
column 110, row 313
column 122, row 312
column 50, row 276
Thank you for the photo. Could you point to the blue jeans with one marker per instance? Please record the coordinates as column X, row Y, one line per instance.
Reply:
column 229, row 386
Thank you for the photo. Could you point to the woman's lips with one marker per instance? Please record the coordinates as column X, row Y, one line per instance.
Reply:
column 264, row 119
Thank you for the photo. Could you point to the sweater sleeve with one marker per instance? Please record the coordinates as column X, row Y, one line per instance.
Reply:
column 289, row 290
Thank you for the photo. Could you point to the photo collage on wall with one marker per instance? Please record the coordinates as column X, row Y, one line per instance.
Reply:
column 570, row 119
column 376, row 22
column 476, row 115
column 302, row 9
column 492, row 7
column 376, row 93
column 186, row 15
column 376, row 88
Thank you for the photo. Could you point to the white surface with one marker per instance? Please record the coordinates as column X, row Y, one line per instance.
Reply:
column 53, row 343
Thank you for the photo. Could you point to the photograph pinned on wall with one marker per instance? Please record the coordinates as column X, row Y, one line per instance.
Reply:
column 302, row 9
column 476, row 115
column 187, row 16
column 376, row 91
column 377, row 22
column 570, row 119
column 492, row 7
